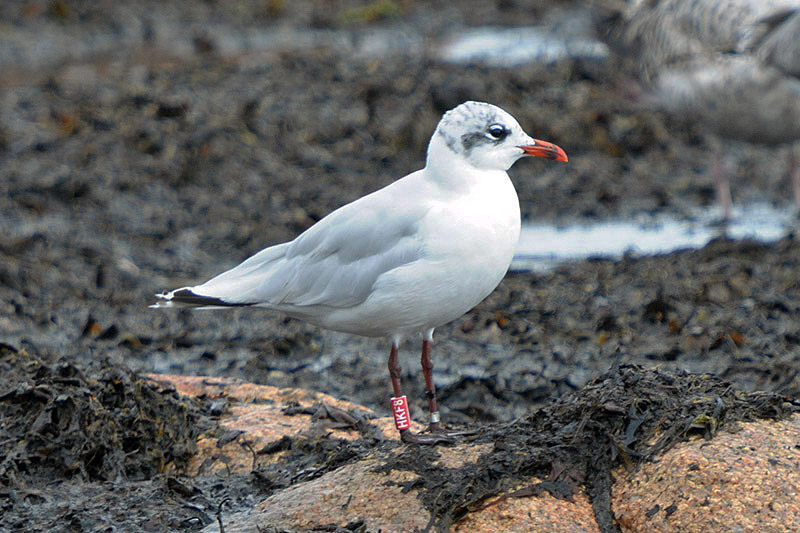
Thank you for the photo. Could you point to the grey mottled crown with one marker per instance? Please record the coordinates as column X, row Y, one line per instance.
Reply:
column 464, row 126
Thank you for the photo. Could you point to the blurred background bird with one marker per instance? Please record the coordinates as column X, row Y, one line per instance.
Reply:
column 730, row 66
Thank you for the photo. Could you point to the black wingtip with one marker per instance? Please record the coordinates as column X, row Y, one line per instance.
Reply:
column 185, row 296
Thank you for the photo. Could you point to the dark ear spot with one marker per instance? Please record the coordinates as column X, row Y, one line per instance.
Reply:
column 471, row 140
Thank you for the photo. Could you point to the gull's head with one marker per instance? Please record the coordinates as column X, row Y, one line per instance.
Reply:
column 487, row 137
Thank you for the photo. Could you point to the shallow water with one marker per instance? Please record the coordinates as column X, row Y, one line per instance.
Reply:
column 510, row 47
column 543, row 246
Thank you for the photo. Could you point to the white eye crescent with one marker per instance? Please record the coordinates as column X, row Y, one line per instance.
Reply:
column 497, row 132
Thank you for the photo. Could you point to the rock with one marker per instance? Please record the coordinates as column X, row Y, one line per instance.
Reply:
column 748, row 480
column 258, row 417
column 746, row 476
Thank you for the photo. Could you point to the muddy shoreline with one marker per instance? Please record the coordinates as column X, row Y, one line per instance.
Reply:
column 143, row 168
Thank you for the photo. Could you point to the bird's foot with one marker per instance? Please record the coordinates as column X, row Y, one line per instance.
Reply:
column 409, row 437
column 436, row 427
column 435, row 434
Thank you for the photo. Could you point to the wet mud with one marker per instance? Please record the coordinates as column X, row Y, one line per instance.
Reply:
column 149, row 167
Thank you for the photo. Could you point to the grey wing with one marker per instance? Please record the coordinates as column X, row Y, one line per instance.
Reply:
column 334, row 263
column 781, row 46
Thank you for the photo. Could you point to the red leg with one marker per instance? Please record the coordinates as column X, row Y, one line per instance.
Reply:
column 399, row 405
column 394, row 371
column 794, row 175
column 430, row 388
column 722, row 185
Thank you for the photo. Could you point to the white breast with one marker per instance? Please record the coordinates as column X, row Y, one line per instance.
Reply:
column 469, row 241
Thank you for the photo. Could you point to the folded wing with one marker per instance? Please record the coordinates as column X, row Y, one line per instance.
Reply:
column 335, row 263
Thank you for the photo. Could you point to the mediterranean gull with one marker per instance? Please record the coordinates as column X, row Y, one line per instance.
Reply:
column 402, row 260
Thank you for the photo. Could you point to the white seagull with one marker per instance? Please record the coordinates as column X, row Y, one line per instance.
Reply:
column 402, row 260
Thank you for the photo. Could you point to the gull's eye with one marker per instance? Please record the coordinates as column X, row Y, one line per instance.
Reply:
column 497, row 132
